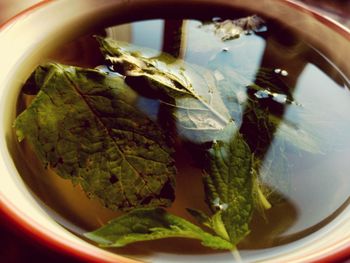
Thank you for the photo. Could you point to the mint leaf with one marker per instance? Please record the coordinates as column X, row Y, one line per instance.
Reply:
column 188, row 91
column 200, row 216
column 150, row 224
column 269, row 89
column 229, row 187
column 258, row 109
column 85, row 125
column 193, row 101
column 261, row 193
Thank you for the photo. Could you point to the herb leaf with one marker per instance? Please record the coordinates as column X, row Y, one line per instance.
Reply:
column 264, row 102
column 200, row 216
column 85, row 126
column 150, row 224
column 229, row 187
column 187, row 90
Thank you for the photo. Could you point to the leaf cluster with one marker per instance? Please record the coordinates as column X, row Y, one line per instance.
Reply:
column 86, row 125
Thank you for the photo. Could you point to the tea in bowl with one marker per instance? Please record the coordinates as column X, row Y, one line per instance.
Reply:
column 177, row 130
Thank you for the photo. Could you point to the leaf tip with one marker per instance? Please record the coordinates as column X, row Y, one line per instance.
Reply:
column 19, row 133
column 103, row 242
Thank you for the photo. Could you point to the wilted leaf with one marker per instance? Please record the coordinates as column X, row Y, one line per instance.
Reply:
column 85, row 126
column 200, row 216
column 151, row 224
column 228, row 186
column 188, row 91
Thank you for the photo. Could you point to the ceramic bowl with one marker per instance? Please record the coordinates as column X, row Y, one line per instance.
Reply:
column 27, row 39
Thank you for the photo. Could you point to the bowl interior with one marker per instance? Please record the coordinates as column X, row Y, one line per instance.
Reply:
column 37, row 41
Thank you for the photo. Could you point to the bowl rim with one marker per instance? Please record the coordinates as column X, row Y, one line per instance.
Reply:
column 13, row 218
column 42, row 236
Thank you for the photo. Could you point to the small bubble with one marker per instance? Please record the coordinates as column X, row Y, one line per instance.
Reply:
column 284, row 73
column 111, row 67
column 216, row 19
column 281, row 98
column 223, row 206
column 218, row 204
column 262, row 94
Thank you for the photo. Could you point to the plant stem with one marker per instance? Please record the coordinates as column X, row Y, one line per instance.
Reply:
column 266, row 204
column 236, row 256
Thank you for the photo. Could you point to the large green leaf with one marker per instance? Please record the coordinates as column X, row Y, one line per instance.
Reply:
column 150, row 224
column 85, row 125
column 189, row 92
column 259, row 106
column 229, row 188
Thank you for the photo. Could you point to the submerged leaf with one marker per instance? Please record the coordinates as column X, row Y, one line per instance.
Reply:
column 151, row 224
column 200, row 216
column 85, row 126
column 228, row 186
column 188, row 92
column 264, row 103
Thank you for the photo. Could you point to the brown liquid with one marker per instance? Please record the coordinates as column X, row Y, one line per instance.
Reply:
column 316, row 192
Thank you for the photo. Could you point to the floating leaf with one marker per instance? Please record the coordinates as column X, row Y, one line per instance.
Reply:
column 188, row 91
column 151, row 224
column 229, row 186
column 200, row 216
column 270, row 176
column 264, row 102
column 85, row 125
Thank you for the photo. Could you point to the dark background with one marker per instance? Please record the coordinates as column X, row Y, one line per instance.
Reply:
column 15, row 246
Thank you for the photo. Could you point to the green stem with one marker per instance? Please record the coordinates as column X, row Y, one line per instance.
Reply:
column 266, row 204
column 236, row 256
column 219, row 226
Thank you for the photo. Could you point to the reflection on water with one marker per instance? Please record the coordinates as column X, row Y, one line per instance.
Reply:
column 302, row 94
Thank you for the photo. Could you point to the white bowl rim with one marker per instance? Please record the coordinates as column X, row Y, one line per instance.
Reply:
column 45, row 237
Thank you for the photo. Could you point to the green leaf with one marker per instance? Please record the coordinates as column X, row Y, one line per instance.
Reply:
column 188, row 91
column 151, row 224
column 272, row 83
column 260, row 123
column 287, row 132
column 272, row 178
column 260, row 197
column 228, row 186
column 85, row 125
column 200, row 216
